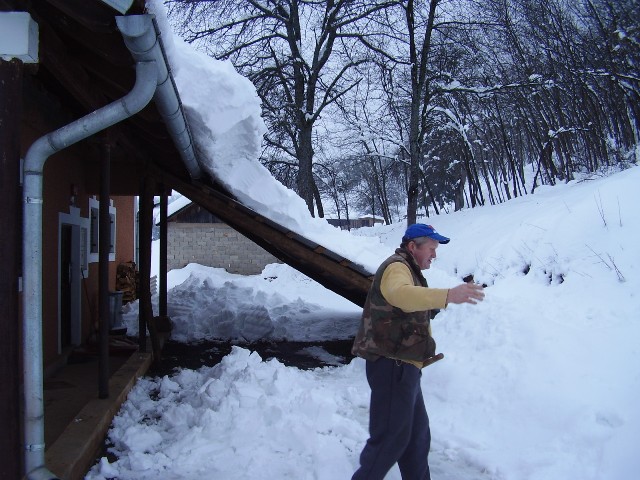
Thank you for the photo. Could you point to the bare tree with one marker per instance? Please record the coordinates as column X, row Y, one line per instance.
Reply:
column 371, row 134
column 337, row 181
column 434, row 102
column 420, row 62
column 584, row 114
column 296, row 52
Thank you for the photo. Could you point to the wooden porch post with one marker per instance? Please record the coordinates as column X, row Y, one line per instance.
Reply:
column 162, row 273
column 104, row 246
column 146, row 233
column 10, row 252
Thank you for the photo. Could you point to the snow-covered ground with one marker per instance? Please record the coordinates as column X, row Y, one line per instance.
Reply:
column 540, row 381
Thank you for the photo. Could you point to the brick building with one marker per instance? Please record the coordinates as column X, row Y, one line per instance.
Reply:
column 195, row 235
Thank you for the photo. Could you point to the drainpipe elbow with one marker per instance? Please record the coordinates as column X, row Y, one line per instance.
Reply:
column 37, row 155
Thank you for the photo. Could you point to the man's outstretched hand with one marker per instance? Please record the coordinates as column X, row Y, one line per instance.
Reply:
column 466, row 293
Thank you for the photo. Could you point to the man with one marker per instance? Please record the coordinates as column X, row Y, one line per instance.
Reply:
column 395, row 340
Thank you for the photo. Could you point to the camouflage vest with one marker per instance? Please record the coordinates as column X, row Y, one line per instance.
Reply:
column 387, row 331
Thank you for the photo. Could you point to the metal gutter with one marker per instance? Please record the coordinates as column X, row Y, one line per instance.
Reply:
column 143, row 39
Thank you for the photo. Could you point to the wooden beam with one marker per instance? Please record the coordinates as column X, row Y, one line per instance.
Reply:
column 145, row 308
column 350, row 281
column 10, row 239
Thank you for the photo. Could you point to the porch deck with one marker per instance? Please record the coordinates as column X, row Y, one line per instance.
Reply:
column 76, row 420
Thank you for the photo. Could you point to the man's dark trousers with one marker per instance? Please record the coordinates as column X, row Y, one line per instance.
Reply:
column 398, row 423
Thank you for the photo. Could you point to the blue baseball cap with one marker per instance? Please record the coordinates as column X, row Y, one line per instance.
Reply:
column 421, row 230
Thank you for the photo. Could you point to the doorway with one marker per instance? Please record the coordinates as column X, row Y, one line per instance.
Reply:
column 72, row 230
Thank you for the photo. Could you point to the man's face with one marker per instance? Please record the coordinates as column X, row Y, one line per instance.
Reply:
column 424, row 253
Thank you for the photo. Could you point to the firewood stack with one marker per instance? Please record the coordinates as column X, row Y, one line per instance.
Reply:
column 127, row 281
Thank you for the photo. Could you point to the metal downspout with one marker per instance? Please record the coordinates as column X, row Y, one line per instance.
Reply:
column 37, row 155
column 142, row 38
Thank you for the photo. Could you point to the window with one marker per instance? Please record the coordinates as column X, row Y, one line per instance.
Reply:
column 84, row 258
column 94, row 230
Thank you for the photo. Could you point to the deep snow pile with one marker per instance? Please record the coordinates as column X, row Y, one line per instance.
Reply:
column 208, row 303
column 539, row 382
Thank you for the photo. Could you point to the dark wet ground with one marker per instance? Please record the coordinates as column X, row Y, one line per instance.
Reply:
column 177, row 355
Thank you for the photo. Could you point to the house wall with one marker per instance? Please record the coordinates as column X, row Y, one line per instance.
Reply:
column 214, row 245
column 59, row 176
column 61, row 171
column 125, row 206
column 66, row 175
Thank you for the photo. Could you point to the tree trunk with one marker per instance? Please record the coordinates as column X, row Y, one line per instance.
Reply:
column 305, row 168
column 458, row 200
column 432, row 196
column 418, row 56
column 413, row 191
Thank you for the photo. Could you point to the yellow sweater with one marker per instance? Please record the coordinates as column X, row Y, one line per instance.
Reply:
column 398, row 289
